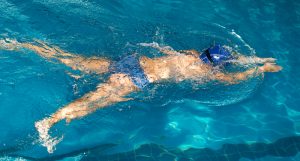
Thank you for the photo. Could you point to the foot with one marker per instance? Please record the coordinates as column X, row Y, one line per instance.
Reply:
column 270, row 67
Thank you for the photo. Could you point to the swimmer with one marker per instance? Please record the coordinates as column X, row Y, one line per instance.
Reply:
column 134, row 72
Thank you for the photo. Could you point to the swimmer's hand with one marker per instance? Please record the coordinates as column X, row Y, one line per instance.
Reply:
column 270, row 67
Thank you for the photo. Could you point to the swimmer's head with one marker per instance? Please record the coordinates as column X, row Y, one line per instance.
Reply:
column 216, row 55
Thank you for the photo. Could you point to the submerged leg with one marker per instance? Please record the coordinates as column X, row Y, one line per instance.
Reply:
column 114, row 91
column 75, row 61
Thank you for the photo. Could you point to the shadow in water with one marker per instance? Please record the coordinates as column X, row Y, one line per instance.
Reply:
column 284, row 147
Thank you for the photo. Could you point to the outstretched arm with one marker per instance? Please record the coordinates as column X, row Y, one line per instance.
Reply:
column 233, row 78
column 114, row 91
column 244, row 60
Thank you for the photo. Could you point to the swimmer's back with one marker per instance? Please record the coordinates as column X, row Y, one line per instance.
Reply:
column 171, row 66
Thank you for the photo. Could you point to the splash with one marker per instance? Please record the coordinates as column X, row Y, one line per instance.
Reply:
column 157, row 46
column 45, row 139
column 9, row 44
column 200, row 88
column 232, row 32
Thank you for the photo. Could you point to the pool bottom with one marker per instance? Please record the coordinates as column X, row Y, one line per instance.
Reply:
column 282, row 149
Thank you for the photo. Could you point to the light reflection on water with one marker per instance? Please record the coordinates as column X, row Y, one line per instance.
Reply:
column 31, row 88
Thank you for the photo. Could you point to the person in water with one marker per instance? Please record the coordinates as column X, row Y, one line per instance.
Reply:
column 133, row 73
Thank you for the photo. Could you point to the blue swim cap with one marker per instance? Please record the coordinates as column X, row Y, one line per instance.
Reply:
column 216, row 55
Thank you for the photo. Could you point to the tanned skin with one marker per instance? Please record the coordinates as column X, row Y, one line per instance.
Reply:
column 174, row 65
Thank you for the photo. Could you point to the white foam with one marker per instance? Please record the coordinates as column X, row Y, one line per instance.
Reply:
column 45, row 139
column 6, row 158
column 232, row 32
column 219, row 25
column 153, row 44
column 9, row 44
column 156, row 46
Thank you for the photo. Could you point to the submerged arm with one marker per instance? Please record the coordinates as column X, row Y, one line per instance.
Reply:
column 234, row 78
column 242, row 59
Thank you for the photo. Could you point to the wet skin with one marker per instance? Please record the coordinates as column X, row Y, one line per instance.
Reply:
column 174, row 65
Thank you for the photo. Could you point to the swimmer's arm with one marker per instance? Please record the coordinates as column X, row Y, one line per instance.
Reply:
column 234, row 78
column 244, row 60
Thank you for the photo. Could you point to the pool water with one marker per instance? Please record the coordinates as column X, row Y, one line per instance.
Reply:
column 261, row 123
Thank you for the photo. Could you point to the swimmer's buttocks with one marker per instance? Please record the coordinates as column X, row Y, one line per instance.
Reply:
column 130, row 65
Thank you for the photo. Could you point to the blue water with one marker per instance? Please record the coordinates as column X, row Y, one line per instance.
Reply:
column 262, row 120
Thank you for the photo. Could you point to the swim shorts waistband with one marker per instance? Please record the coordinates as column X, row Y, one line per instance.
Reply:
column 130, row 65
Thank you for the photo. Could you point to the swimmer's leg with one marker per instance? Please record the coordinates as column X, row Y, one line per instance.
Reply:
column 114, row 91
column 75, row 61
